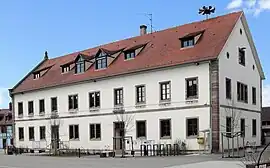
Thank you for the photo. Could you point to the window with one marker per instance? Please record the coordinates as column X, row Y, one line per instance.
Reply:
column 187, row 42
column 242, row 92
column 21, row 133
column 192, row 127
column 228, row 126
column 243, row 127
column 73, row 132
column 31, row 134
column 129, row 54
column 101, row 61
column 73, row 102
column 140, row 94
column 192, row 88
column 118, row 96
column 42, row 133
column 95, row 132
column 65, row 69
column 42, row 106
column 80, row 66
column 141, row 129
column 36, row 75
column 228, row 88
column 254, row 127
column 253, row 95
column 94, row 99
column 165, row 129
column 54, row 104
column 30, row 108
column 241, row 53
column 228, row 55
column 165, row 91
column 20, row 108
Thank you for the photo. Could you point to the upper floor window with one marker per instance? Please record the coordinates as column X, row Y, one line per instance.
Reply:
column 140, row 94
column 242, row 127
column 228, row 88
column 118, row 96
column 36, row 75
column 101, row 61
column 228, row 126
column 191, row 88
column 129, row 54
column 253, row 95
column 20, row 108
column 66, row 69
column 242, row 59
column 242, row 92
column 80, row 66
column 42, row 132
column 41, row 106
column 30, row 108
column 187, row 42
column 54, row 104
column 94, row 99
column 165, row 91
column 73, row 102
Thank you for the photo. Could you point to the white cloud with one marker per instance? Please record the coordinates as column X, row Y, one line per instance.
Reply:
column 4, row 97
column 254, row 7
column 266, row 95
column 235, row 4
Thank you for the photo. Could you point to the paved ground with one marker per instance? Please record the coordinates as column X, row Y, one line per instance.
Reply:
column 22, row 161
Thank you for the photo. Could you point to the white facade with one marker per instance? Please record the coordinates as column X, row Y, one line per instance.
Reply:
column 178, row 111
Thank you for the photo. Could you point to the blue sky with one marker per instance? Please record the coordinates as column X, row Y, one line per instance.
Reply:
column 28, row 28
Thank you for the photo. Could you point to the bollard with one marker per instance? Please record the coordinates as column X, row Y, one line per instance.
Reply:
column 79, row 152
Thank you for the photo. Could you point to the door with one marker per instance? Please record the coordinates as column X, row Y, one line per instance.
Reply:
column 55, row 136
column 118, row 135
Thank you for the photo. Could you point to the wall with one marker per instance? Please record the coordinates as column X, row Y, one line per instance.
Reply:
column 178, row 110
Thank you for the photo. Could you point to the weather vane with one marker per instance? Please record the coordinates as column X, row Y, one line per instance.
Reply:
column 207, row 11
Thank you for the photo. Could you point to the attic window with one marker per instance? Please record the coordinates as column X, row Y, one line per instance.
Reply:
column 65, row 69
column 101, row 61
column 187, row 42
column 80, row 66
column 129, row 54
column 242, row 56
column 36, row 75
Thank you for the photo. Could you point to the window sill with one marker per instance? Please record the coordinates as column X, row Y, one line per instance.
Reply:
column 164, row 102
column 73, row 110
column 21, row 140
column 94, row 139
column 43, row 140
column 74, row 139
column 20, row 116
column 94, row 109
column 141, row 138
column 192, row 137
column 31, row 140
column 183, row 48
column 140, row 105
column 30, row 115
column 100, row 69
column 42, row 114
column 242, row 101
column 165, row 137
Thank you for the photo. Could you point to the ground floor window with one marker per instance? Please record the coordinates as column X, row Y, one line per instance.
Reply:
column 42, row 132
column 73, row 132
column 192, row 126
column 254, row 127
column 141, row 129
column 21, row 134
column 31, row 133
column 165, row 128
column 95, row 132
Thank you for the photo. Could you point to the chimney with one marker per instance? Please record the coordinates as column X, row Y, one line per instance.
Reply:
column 10, row 106
column 143, row 30
column 46, row 55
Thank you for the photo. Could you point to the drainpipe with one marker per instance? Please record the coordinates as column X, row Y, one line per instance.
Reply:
column 210, row 102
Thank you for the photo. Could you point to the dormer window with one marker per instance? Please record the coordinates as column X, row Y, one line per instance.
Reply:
column 65, row 69
column 242, row 59
column 129, row 54
column 187, row 42
column 36, row 75
column 101, row 61
column 80, row 66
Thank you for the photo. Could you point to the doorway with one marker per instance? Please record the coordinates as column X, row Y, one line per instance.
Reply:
column 119, row 129
column 55, row 136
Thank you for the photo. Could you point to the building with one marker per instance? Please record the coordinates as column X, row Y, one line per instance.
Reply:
column 6, row 127
column 265, row 125
column 170, row 85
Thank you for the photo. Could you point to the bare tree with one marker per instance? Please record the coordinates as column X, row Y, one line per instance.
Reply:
column 126, row 124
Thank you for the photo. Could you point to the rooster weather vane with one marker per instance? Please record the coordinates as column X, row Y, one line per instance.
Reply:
column 207, row 11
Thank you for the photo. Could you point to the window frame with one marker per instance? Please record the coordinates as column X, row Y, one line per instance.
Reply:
column 242, row 92
column 121, row 98
column 20, row 108
column 167, row 95
column 95, row 100
column 142, row 96
column 95, row 132
column 254, row 128
column 80, row 65
column 228, row 89
column 145, row 129
column 30, row 108
column 160, row 129
column 242, row 56
column 197, row 88
column 187, row 127
column 243, row 127
column 74, row 132
column 130, row 54
column 36, row 75
column 228, row 127
column 41, row 110
column 52, row 105
column 72, row 99
column 21, row 134
column 42, row 135
column 29, row 135
column 188, row 42
column 66, row 69
column 254, row 95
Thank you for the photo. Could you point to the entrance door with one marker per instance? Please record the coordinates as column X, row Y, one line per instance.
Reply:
column 55, row 136
column 118, row 133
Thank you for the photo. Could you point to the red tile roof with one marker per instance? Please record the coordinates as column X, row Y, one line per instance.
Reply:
column 162, row 49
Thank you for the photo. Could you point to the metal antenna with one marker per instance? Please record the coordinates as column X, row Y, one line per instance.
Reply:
column 150, row 17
